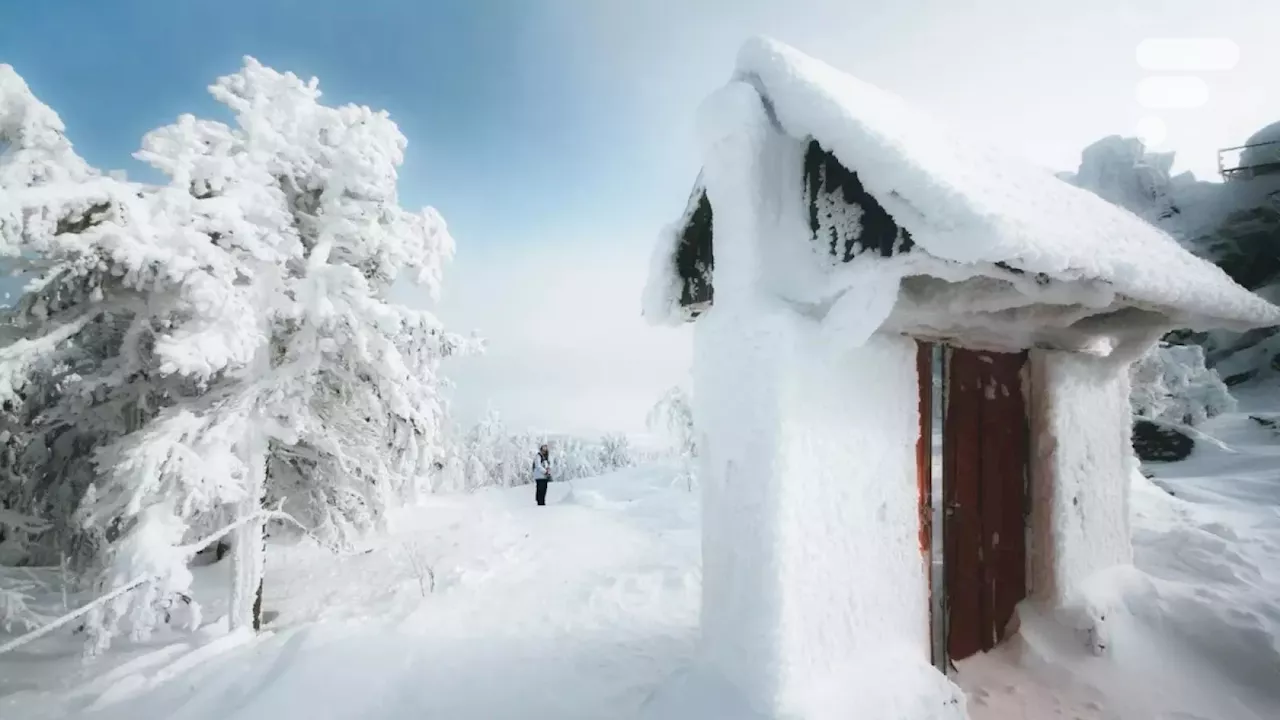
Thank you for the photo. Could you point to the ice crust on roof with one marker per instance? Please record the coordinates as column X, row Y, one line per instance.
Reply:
column 969, row 203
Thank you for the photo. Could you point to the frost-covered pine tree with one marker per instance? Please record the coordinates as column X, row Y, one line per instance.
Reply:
column 497, row 456
column 355, row 403
column 83, row 240
column 226, row 337
column 615, row 452
column 1171, row 385
column 575, row 457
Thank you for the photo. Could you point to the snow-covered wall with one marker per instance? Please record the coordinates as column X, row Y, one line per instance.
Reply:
column 1081, row 451
column 811, row 561
column 815, row 603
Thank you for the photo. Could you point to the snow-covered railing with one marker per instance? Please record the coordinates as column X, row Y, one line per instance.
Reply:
column 1247, row 161
column 140, row 580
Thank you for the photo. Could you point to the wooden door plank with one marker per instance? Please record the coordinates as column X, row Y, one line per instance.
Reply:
column 986, row 455
column 962, row 525
column 1008, row 452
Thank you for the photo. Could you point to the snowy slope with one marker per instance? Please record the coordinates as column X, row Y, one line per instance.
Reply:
column 578, row 609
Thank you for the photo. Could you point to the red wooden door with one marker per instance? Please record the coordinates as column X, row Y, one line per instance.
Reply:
column 985, row 457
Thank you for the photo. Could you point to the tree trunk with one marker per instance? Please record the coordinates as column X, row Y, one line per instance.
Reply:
column 248, row 552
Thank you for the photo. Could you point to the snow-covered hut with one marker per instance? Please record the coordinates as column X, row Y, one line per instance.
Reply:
column 852, row 267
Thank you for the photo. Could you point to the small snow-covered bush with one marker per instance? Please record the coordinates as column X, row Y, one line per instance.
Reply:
column 1171, row 384
column 671, row 420
column 615, row 452
column 420, row 567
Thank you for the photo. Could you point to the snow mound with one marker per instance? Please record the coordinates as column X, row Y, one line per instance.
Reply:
column 1262, row 148
column 968, row 203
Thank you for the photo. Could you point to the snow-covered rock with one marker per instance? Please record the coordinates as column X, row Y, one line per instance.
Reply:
column 1158, row 443
column 1121, row 171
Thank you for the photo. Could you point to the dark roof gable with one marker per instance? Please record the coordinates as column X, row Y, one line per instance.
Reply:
column 844, row 220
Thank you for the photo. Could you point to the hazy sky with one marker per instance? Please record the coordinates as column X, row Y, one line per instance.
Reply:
column 556, row 136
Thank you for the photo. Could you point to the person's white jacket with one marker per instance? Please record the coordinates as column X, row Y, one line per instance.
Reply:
column 541, row 467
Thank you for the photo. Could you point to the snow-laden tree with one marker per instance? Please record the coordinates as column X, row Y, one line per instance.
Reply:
column 192, row 350
column 671, row 419
column 490, row 454
column 498, row 456
column 356, row 397
column 1171, row 385
column 575, row 457
column 615, row 452
column 70, row 377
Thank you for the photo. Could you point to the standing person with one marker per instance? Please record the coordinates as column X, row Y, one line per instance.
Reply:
column 542, row 472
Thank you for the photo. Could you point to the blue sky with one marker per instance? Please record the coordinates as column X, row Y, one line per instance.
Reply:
column 555, row 136
column 490, row 93
column 526, row 151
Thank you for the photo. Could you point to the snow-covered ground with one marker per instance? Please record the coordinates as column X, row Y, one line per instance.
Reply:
column 486, row 606
column 1195, row 632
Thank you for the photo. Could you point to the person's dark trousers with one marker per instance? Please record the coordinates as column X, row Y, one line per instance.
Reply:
column 542, row 491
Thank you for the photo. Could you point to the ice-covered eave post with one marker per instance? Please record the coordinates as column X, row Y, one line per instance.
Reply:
column 813, row 584
column 1082, row 460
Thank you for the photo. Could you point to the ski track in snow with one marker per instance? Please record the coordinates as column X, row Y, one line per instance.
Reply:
column 579, row 609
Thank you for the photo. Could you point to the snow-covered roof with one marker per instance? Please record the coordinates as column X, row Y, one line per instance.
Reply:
column 969, row 203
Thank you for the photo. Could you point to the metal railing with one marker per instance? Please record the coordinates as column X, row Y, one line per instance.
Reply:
column 1265, row 161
